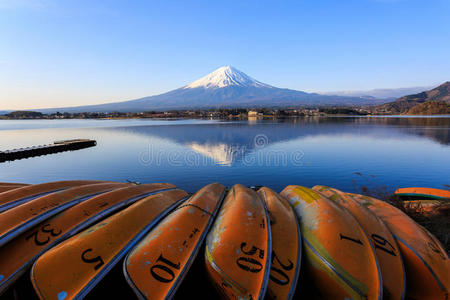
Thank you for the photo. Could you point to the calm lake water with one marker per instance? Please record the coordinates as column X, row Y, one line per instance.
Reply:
column 345, row 153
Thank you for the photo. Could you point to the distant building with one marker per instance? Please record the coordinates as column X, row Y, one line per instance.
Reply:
column 252, row 113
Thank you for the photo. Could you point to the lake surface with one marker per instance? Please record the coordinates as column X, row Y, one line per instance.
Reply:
column 342, row 152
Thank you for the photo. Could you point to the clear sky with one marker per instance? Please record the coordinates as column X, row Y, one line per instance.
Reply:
column 63, row 53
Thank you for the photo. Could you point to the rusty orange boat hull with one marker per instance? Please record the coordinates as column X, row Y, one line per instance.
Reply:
column 15, row 197
column 416, row 193
column 286, row 246
column 13, row 184
column 17, row 255
column 89, row 255
column 8, row 187
column 20, row 218
column 338, row 257
column 426, row 262
column 385, row 245
column 158, row 264
column 238, row 246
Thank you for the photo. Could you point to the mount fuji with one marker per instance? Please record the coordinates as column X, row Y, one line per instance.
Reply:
column 226, row 87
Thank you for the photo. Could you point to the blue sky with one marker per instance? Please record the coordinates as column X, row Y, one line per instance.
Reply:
column 61, row 53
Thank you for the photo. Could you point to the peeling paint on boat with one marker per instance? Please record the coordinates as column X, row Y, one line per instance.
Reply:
column 101, row 249
column 173, row 245
column 242, row 225
column 338, row 254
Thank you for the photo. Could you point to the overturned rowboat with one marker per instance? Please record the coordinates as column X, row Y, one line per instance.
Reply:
column 286, row 246
column 72, row 239
column 18, row 255
column 10, row 186
column 238, row 246
column 338, row 253
column 88, row 256
column 420, row 193
column 23, row 194
column 20, row 218
column 427, row 264
column 157, row 265
column 385, row 246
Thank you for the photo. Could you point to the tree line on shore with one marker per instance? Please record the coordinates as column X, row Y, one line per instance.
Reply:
column 210, row 113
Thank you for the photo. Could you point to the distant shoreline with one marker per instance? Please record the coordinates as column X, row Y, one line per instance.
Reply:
column 230, row 119
column 219, row 114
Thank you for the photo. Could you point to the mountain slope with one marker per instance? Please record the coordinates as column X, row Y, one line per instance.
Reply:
column 430, row 108
column 381, row 93
column 403, row 104
column 225, row 87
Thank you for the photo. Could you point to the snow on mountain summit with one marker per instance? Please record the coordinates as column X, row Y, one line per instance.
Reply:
column 226, row 76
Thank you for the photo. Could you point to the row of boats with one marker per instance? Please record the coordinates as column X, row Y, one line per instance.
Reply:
column 68, row 237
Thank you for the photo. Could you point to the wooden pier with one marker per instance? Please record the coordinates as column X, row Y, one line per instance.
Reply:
column 58, row 146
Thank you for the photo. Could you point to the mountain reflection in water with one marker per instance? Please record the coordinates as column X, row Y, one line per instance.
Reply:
column 229, row 142
column 387, row 151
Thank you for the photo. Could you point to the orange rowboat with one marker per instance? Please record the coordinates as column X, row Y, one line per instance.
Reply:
column 18, row 219
column 238, row 246
column 24, row 194
column 426, row 262
column 286, row 246
column 339, row 259
column 5, row 188
column 385, row 245
column 17, row 255
column 422, row 193
column 11, row 186
column 158, row 264
column 84, row 259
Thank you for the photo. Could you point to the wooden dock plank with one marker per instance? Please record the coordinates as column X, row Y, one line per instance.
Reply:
column 57, row 146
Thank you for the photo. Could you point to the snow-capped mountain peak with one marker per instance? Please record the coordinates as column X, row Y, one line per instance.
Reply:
column 226, row 87
column 226, row 76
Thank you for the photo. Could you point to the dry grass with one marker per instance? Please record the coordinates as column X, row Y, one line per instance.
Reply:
column 438, row 222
